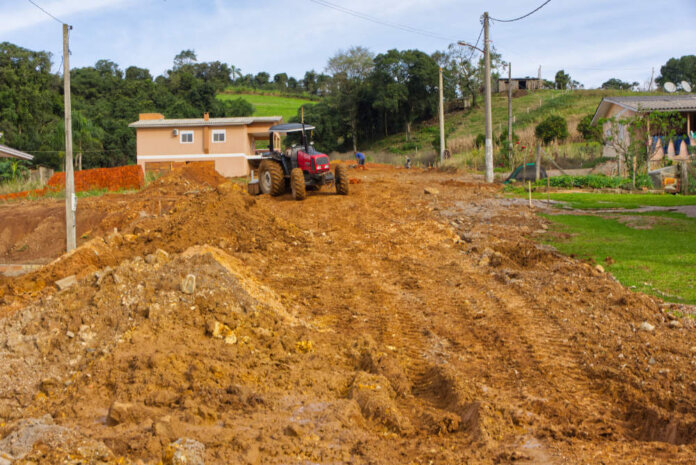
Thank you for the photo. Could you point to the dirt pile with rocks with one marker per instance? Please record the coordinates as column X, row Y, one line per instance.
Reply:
column 388, row 326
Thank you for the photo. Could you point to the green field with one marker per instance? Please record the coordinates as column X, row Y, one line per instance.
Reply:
column 650, row 252
column 592, row 201
column 270, row 105
column 528, row 110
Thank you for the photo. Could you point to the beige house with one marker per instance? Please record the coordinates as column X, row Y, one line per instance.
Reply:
column 228, row 142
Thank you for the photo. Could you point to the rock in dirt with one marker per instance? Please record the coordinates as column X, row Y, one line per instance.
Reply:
column 188, row 284
column 645, row 326
column 126, row 412
column 29, row 432
column 184, row 451
column 674, row 324
column 599, row 268
column 431, row 191
column 221, row 331
column 66, row 282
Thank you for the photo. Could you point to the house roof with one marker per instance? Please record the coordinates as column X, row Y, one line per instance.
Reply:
column 14, row 153
column 528, row 78
column 195, row 122
column 648, row 103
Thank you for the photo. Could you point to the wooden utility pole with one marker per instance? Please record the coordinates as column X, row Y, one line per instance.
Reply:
column 487, row 86
column 70, row 199
column 510, row 146
column 442, row 121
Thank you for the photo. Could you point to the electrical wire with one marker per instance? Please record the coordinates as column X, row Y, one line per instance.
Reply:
column 522, row 17
column 49, row 14
column 375, row 20
column 474, row 49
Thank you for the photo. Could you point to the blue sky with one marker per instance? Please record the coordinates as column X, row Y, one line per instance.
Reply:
column 592, row 40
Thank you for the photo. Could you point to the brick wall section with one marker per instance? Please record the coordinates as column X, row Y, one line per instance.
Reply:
column 113, row 179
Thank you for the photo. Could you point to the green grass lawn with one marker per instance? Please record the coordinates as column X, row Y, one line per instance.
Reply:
column 270, row 105
column 652, row 251
column 589, row 201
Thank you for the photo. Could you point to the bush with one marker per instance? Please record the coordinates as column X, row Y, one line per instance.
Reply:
column 596, row 181
column 480, row 141
column 552, row 128
column 589, row 132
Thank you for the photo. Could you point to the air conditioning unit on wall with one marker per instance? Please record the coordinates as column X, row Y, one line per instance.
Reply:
column 175, row 132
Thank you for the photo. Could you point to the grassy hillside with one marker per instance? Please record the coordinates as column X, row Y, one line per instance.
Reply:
column 528, row 110
column 271, row 105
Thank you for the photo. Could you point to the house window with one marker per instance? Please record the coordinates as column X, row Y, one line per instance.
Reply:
column 186, row 137
column 218, row 135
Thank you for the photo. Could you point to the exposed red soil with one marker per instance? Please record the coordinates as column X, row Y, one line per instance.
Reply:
column 388, row 326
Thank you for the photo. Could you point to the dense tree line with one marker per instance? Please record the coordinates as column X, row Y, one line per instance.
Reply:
column 105, row 99
column 363, row 97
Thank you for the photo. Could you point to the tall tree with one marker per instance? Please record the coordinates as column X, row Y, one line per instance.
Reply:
column 678, row 69
column 349, row 69
column 562, row 80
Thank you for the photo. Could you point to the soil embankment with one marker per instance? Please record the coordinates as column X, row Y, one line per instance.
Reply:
column 388, row 326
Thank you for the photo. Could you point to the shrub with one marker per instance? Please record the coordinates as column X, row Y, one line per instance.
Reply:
column 596, row 181
column 589, row 132
column 552, row 128
column 480, row 141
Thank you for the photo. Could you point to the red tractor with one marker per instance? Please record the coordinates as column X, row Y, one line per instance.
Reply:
column 299, row 168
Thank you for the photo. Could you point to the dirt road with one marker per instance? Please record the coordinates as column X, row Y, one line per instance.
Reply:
column 388, row 326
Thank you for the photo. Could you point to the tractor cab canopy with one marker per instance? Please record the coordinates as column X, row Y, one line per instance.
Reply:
column 291, row 127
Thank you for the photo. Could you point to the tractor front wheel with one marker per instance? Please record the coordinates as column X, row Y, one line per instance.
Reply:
column 271, row 180
column 297, row 184
column 342, row 181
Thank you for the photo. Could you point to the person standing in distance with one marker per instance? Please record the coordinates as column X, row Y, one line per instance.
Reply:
column 360, row 157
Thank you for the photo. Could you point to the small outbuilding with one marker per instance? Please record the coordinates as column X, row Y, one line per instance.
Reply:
column 525, row 83
column 618, row 108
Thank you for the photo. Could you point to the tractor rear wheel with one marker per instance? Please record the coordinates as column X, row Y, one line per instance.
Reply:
column 297, row 184
column 342, row 181
column 271, row 180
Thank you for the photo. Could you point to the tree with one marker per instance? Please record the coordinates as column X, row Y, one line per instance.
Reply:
column 677, row 70
column 562, row 80
column 262, row 79
column 184, row 58
column 349, row 69
column 552, row 128
column 615, row 83
column 355, row 63
column 30, row 101
column 590, row 132
column 281, row 81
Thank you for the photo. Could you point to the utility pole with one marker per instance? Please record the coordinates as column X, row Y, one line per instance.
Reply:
column 510, row 113
column 70, row 199
column 652, row 74
column 442, row 121
column 487, row 86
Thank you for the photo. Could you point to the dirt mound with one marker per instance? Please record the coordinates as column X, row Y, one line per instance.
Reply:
column 387, row 326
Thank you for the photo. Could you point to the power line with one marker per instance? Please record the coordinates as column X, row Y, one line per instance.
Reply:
column 366, row 17
column 473, row 50
column 522, row 17
column 49, row 14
